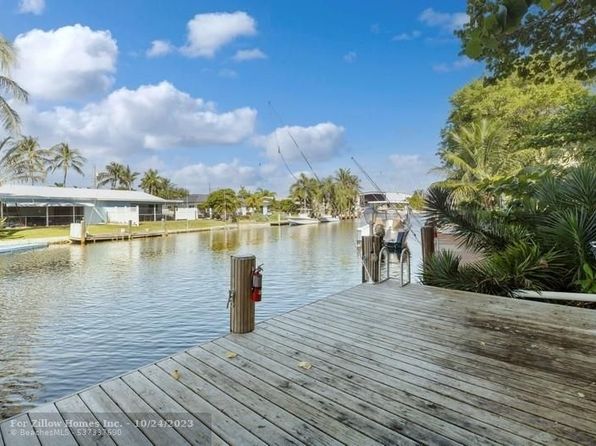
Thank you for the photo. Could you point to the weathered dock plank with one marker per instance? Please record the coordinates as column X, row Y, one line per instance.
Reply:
column 375, row 364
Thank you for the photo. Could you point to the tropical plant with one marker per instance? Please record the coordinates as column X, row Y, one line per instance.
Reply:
column 111, row 175
column 151, row 182
column 9, row 88
column 63, row 157
column 416, row 200
column 26, row 160
column 223, row 202
column 551, row 118
column 478, row 155
column 127, row 178
column 303, row 190
column 539, row 238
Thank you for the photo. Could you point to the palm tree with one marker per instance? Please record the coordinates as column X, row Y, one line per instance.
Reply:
column 127, row 178
column 65, row 158
column 302, row 190
column 111, row 175
column 10, row 118
column 479, row 155
column 27, row 160
column 152, row 182
column 348, row 187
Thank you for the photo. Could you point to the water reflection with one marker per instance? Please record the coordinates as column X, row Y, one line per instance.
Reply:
column 71, row 316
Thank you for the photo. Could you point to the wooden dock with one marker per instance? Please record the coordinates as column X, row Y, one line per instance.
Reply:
column 375, row 364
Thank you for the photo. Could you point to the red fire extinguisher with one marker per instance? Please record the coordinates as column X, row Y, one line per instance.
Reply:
column 257, row 283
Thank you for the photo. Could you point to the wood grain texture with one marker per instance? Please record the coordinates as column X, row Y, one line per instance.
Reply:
column 374, row 364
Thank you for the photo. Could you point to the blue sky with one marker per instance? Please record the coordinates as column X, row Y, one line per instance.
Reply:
column 183, row 86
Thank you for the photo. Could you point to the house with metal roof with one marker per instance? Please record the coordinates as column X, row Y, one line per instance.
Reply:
column 23, row 205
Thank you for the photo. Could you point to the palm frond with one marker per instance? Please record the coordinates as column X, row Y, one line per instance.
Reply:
column 13, row 89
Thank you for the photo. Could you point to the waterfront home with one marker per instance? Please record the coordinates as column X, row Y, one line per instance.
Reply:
column 23, row 205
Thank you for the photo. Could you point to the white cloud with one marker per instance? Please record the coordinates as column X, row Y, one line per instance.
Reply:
column 375, row 28
column 406, row 36
column 67, row 63
column 159, row 48
column 350, row 57
column 152, row 117
column 32, row 6
column 207, row 33
column 319, row 142
column 444, row 20
column 459, row 64
column 418, row 172
column 200, row 177
column 252, row 54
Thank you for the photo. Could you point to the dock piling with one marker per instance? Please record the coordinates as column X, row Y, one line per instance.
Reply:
column 242, row 307
column 427, row 234
column 371, row 248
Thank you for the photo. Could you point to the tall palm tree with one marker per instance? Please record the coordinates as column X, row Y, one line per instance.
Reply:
column 27, row 160
column 111, row 175
column 9, row 117
column 65, row 158
column 152, row 182
column 348, row 187
column 302, row 190
column 127, row 178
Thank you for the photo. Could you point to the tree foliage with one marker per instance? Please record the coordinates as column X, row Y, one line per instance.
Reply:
column 538, row 238
column 533, row 38
column 223, row 202
column 9, row 88
column 336, row 195
column 26, row 160
column 495, row 129
column 155, row 184
column 65, row 158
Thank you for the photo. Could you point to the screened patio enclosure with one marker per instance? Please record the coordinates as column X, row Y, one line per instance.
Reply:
column 22, row 205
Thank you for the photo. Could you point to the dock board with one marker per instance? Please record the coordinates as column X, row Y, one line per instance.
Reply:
column 375, row 364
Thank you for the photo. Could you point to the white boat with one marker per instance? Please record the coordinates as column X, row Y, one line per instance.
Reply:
column 384, row 215
column 303, row 218
column 328, row 219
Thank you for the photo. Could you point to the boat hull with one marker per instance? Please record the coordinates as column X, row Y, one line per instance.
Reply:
column 328, row 219
column 302, row 221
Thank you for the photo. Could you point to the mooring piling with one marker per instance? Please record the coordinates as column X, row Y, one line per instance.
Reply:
column 242, row 307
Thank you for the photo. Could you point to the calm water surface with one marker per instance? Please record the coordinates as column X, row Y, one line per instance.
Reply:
column 71, row 316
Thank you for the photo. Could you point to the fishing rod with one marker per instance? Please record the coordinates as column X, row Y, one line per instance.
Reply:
column 293, row 140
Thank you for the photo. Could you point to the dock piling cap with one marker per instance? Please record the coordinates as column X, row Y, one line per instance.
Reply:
column 244, row 256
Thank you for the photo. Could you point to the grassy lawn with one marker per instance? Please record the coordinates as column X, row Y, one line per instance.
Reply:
column 63, row 231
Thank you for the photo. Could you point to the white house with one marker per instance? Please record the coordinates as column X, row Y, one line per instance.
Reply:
column 45, row 206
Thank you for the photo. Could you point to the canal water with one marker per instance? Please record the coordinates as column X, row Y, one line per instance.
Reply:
column 72, row 316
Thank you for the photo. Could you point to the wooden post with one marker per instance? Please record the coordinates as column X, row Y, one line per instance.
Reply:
column 242, row 308
column 129, row 229
column 83, row 231
column 371, row 247
column 164, row 230
column 427, row 234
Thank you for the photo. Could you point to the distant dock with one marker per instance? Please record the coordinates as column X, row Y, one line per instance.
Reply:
column 374, row 364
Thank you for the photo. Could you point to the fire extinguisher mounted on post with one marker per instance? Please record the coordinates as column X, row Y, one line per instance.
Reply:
column 257, row 283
